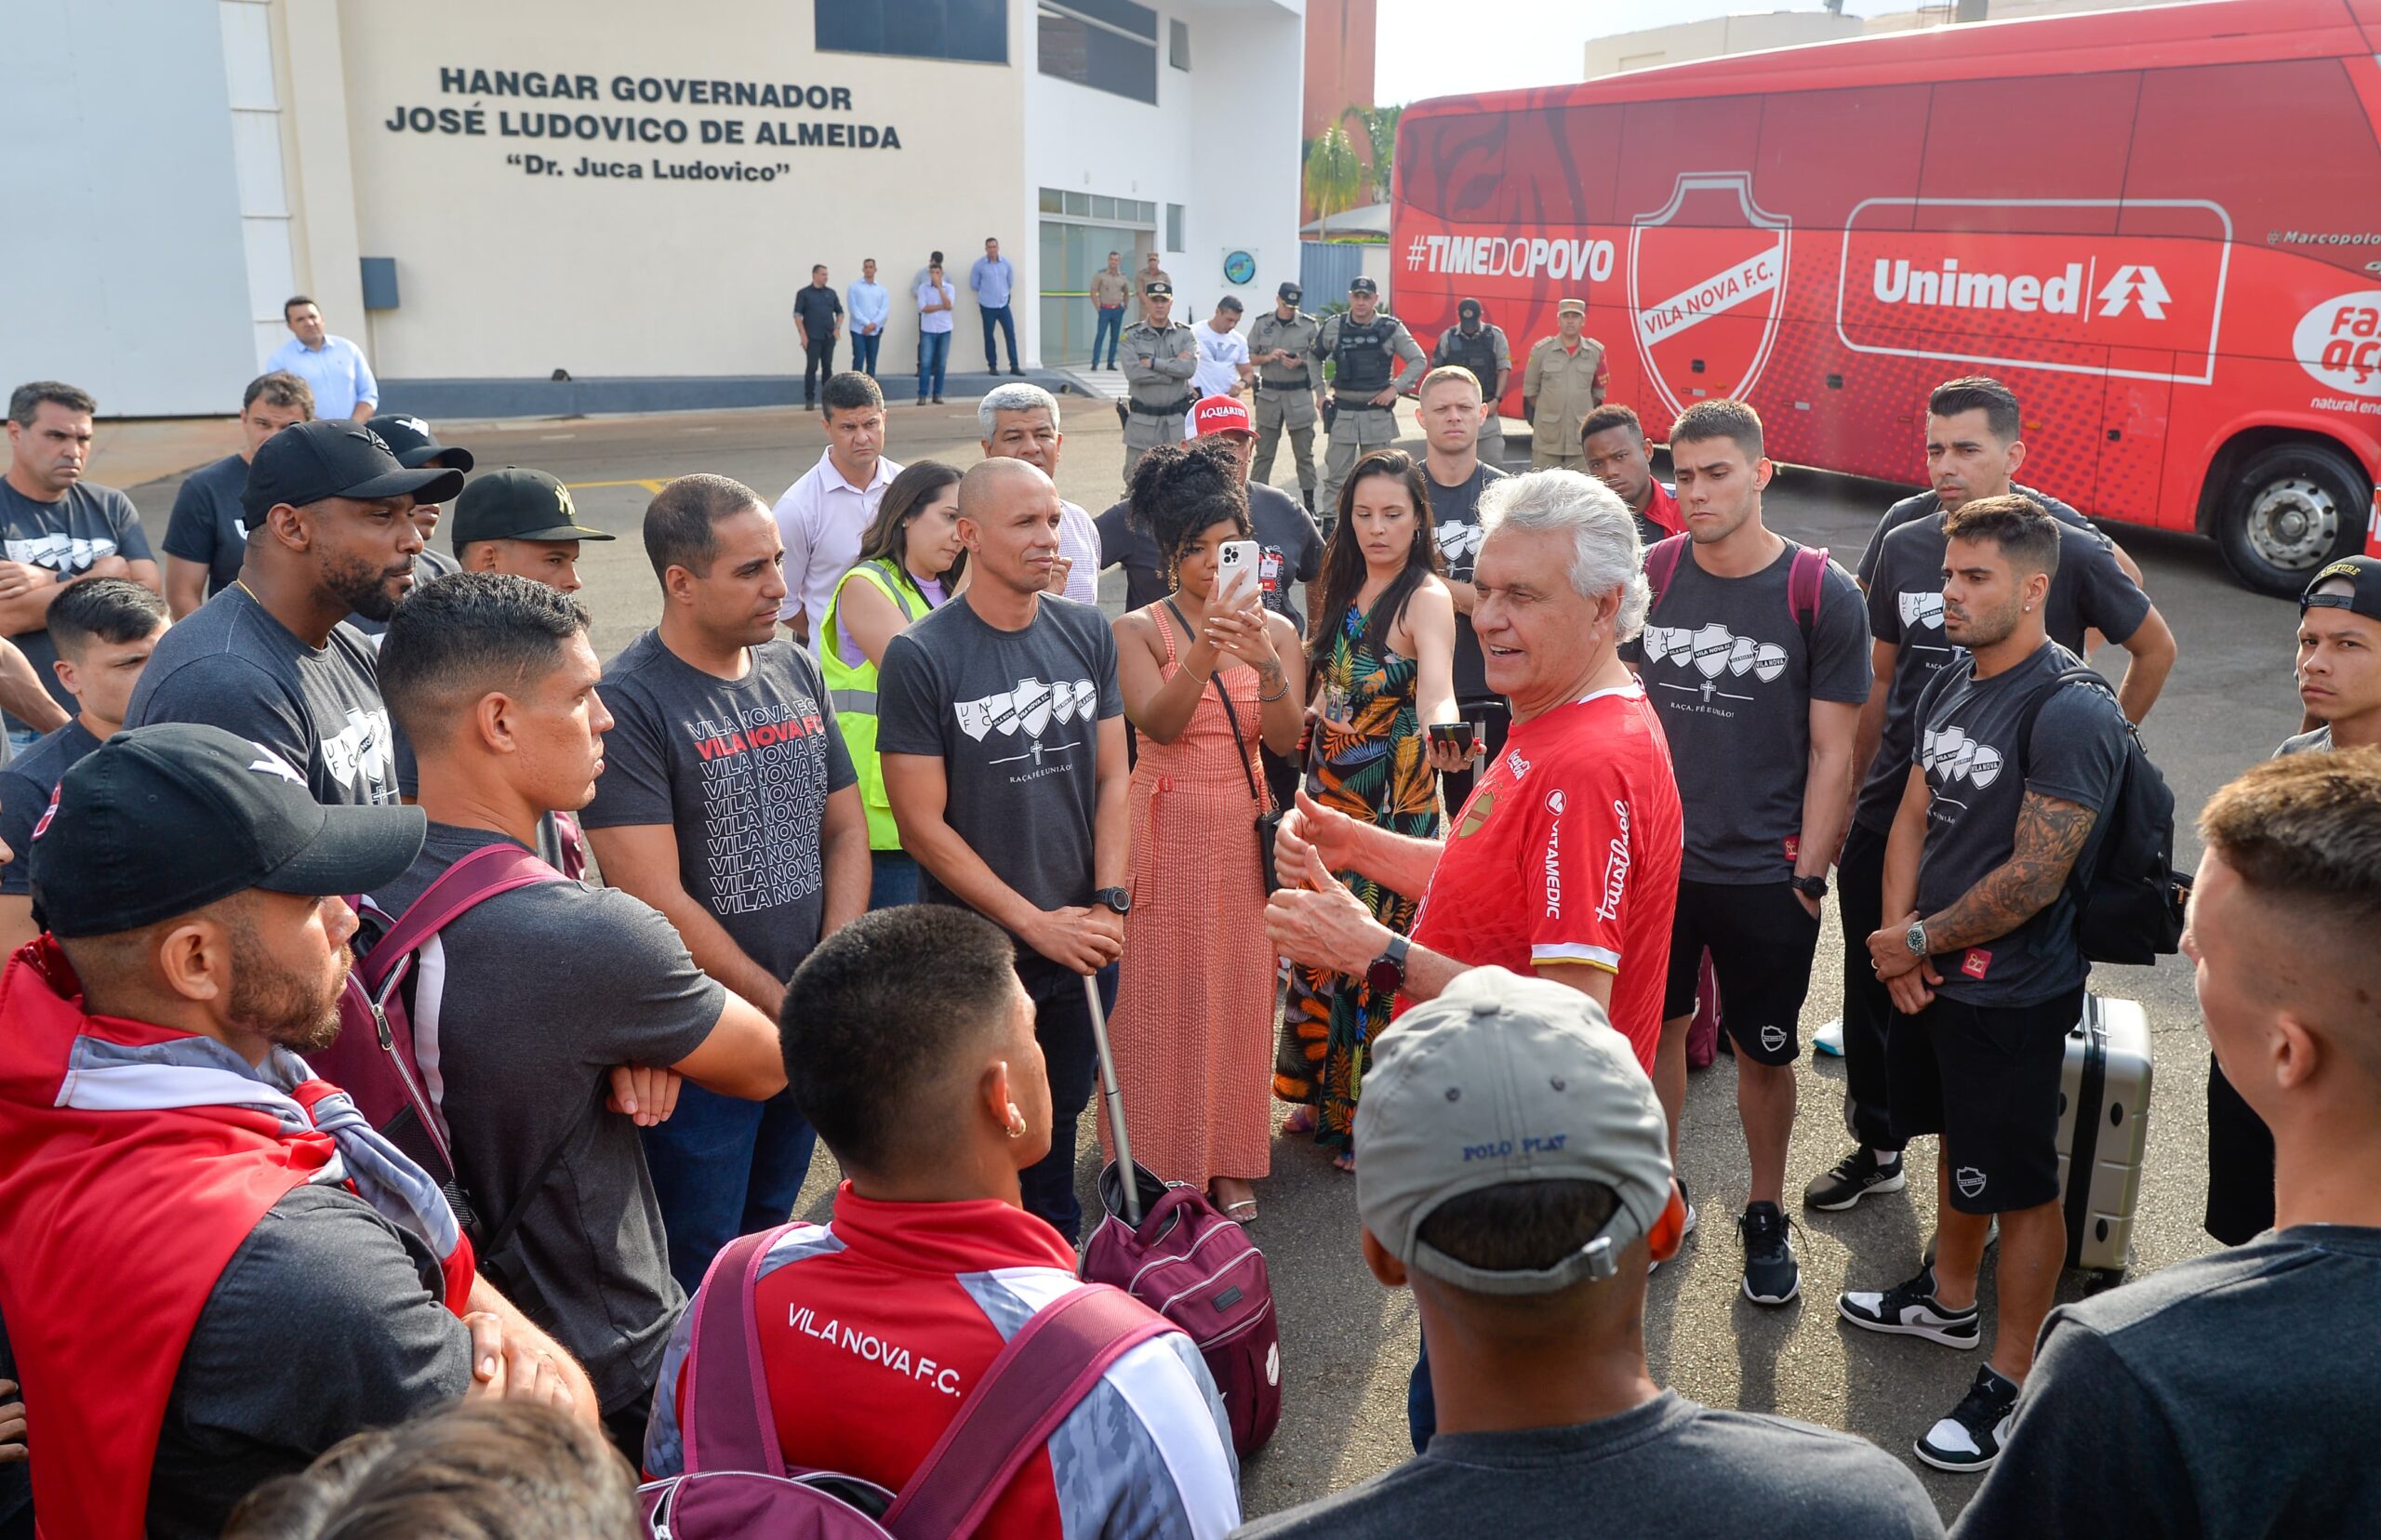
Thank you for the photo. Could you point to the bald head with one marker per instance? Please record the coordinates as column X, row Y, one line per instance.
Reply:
column 1009, row 518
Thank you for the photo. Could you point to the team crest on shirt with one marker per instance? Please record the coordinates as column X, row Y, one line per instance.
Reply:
column 1718, row 656
column 1026, row 712
column 1475, row 813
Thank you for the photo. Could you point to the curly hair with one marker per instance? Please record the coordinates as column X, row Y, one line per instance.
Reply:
column 1180, row 491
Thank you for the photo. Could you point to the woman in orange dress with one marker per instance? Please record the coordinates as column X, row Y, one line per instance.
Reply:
column 1193, row 1027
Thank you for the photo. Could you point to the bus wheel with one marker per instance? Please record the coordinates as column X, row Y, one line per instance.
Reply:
column 2293, row 507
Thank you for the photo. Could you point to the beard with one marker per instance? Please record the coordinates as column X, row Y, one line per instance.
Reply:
column 362, row 586
column 1988, row 628
column 298, row 1013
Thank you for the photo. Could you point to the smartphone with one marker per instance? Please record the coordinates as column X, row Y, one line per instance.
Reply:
column 1235, row 574
column 1456, row 733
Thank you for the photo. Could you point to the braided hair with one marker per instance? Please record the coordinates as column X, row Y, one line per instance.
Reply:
column 1179, row 492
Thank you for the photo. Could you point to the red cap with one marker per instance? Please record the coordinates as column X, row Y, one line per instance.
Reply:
column 1220, row 413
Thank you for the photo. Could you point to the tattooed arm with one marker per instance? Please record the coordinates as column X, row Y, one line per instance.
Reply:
column 2051, row 834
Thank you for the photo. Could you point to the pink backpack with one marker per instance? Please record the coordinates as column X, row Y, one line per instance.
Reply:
column 736, row 1482
column 1199, row 1270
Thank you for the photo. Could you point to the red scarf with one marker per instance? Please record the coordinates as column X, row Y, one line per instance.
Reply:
column 117, row 1215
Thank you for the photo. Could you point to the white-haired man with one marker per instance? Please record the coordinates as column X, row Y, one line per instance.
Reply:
column 1021, row 421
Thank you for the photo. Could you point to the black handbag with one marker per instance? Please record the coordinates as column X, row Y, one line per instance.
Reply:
column 1266, row 823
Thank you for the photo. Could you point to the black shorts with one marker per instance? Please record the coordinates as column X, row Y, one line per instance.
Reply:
column 1761, row 940
column 1987, row 1079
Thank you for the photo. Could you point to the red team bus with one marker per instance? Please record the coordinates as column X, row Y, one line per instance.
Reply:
column 2161, row 228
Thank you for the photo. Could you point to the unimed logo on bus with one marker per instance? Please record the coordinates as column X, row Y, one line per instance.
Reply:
column 2079, row 286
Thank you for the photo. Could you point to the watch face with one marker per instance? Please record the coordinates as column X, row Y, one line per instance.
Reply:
column 1384, row 976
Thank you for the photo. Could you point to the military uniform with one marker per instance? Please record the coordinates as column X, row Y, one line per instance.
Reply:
column 1285, row 393
column 1490, row 358
column 1159, row 363
column 1364, row 359
column 1565, row 386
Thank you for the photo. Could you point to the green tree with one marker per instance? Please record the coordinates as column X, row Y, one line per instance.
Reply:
column 1334, row 175
column 1379, row 128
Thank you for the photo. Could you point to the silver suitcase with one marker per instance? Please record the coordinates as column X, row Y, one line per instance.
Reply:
column 2102, row 1131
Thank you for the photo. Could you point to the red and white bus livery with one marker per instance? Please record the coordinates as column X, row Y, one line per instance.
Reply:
column 2161, row 228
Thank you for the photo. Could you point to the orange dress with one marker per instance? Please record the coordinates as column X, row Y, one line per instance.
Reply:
column 1193, row 1024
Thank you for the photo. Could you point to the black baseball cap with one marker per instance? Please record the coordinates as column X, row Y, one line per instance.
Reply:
column 1362, row 285
column 415, row 446
column 517, row 504
column 162, row 820
column 308, row 461
column 1469, row 309
column 1290, row 292
column 2363, row 597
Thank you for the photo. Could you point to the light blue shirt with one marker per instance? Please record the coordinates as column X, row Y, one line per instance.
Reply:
column 869, row 305
column 336, row 371
column 933, row 321
column 992, row 278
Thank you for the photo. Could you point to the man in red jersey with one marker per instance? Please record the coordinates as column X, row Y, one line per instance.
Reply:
column 1564, row 862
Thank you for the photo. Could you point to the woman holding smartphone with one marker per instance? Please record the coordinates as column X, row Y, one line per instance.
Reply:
column 1380, row 653
column 1207, row 672
column 911, row 561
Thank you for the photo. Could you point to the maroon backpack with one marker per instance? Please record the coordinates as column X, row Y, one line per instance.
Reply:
column 1804, row 580
column 736, row 1482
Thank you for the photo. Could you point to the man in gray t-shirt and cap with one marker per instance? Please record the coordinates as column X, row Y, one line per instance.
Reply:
column 1517, row 1177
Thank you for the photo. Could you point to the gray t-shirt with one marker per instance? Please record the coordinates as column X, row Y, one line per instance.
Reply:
column 1013, row 717
column 2191, row 1402
column 1726, row 666
column 66, row 538
column 327, row 1322
column 1905, row 574
column 2317, row 742
column 1978, row 774
column 1289, row 550
column 519, row 1064
column 26, row 783
column 208, row 525
column 741, row 769
column 1455, row 518
column 1667, row 1467
column 231, row 664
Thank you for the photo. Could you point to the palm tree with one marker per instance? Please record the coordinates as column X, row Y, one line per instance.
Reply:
column 1334, row 175
column 1379, row 126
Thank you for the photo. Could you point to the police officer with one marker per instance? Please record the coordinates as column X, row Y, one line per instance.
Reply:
column 1564, row 381
column 1281, row 345
column 1366, row 345
column 1159, row 358
column 1473, row 344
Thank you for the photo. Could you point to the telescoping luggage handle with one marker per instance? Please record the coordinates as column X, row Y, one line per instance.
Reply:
column 1115, row 1100
column 1041, row 1375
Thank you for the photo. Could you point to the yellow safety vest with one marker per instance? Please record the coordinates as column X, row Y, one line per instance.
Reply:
column 851, row 689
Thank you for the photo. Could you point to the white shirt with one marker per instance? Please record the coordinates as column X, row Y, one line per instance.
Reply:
column 1078, row 543
column 822, row 519
column 1219, row 353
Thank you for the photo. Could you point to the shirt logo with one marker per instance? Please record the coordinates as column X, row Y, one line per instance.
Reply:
column 1459, row 543
column 1028, row 712
column 1616, row 867
column 1717, row 654
column 1475, row 813
column 48, row 813
column 358, row 756
column 1922, row 609
column 1957, row 757
column 59, row 551
column 1976, row 964
column 1970, row 1182
column 272, row 764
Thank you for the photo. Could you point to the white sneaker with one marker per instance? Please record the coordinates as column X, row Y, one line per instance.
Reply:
column 1829, row 1038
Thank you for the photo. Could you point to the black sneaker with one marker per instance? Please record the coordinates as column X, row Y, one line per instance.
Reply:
column 1770, row 1275
column 1969, row 1440
column 1909, row 1309
column 1855, row 1176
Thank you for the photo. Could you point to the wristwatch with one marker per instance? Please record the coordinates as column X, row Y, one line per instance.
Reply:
column 1813, row 888
column 1915, row 939
column 1386, row 975
column 1116, row 899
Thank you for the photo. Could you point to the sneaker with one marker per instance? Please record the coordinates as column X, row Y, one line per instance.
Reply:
column 1770, row 1275
column 1830, row 1039
column 1909, row 1309
column 1683, row 1230
column 1969, row 1440
column 1855, row 1176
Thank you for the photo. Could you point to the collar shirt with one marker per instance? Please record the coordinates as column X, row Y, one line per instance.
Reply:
column 821, row 518
column 340, row 379
column 870, row 305
column 992, row 278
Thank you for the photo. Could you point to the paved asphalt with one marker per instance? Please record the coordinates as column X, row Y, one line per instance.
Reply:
column 1346, row 1343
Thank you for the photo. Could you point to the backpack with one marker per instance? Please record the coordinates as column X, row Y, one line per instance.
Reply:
column 736, row 1482
column 1806, row 581
column 373, row 1058
column 1198, row 1270
column 2130, row 901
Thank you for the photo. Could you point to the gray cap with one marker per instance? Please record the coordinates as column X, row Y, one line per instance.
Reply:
column 1505, row 1079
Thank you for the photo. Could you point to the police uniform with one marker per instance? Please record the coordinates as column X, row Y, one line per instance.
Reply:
column 1364, row 358
column 1285, row 392
column 1490, row 358
column 1564, row 387
column 1158, row 367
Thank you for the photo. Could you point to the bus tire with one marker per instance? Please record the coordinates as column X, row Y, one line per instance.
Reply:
column 2292, row 507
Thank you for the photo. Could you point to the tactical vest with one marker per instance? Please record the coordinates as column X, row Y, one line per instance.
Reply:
column 1476, row 353
column 851, row 689
column 1365, row 364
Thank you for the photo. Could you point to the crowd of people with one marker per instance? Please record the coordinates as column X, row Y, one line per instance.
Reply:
column 856, row 843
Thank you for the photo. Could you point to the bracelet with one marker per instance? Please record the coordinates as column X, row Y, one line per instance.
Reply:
column 1264, row 699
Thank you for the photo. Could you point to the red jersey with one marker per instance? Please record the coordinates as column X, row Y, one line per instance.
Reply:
column 1567, row 855
column 874, row 1328
column 1662, row 511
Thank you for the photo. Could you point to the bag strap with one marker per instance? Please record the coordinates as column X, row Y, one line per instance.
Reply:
column 2081, row 673
column 729, row 1424
column 1806, row 583
column 1661, row 564
column 479, row 876
column 1041, row 1375
column 1239, row 743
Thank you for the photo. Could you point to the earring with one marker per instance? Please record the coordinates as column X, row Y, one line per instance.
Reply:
column 1015, row 1121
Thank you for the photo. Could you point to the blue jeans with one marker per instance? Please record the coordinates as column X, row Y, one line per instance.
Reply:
column 723, row 1167
column 1000, row 315
column 864, row 346
column 1062, row 1025
column 933, row 357
column 1112, row 329
column 895, row 880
